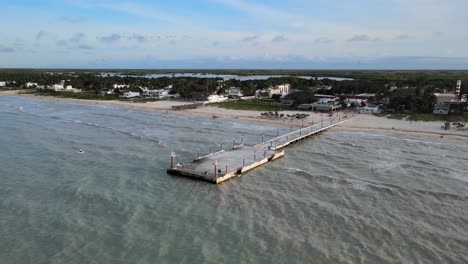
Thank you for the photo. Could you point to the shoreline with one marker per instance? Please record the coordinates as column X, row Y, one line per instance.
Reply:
column 425, row 131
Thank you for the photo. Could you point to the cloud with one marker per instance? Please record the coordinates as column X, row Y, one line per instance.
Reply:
column 85, row 47
column 4, row 49
column 362, row 38
column 140, row 38
column 71, row 20
column 113, row 38
column 77, row 37
column 250, row 38
column 279, row 38
column 402, row 37
column 62, row 43
column 323, row 41
column 40, row 35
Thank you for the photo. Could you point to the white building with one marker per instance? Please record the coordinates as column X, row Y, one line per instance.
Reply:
column 108, row 92
column 330, row 101
column 69, row 88
column 31, row 85
column 131, row 94
column 446, row 97
column 235, row 92
column 370, row 110
column 57, row 87
column 120, row 86
column 282, row 90
column 159, row 93
column 214, row 98
column 3, row 84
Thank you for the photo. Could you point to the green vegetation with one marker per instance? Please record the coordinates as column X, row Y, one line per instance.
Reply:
column 444, row 118
column 83, row 95
column 88, row 96
column 414, row 95
column 256, row 105
column 426, row 117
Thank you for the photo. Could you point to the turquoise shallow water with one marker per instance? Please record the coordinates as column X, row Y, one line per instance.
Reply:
column 336, row 198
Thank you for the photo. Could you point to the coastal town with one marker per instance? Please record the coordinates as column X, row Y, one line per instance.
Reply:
column 319, row 98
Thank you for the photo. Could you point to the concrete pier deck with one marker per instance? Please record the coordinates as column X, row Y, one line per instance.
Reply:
column 226, row 164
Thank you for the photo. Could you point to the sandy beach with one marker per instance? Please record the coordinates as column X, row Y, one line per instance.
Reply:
column 424, row 131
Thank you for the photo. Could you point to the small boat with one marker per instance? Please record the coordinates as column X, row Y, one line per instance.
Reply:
column 81, row 151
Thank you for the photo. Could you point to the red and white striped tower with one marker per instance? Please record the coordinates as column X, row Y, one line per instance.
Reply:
column 458, row 89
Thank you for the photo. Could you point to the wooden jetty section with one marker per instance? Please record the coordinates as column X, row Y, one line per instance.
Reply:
column 226, row 164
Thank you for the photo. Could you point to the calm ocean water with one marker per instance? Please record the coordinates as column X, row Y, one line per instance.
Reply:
column 339, row 197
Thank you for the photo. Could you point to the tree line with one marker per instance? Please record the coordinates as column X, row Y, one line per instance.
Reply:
column 415, row 92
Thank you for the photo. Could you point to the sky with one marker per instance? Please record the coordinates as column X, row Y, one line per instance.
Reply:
column 241, row 34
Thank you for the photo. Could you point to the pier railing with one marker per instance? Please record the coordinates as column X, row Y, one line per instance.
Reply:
column 218, row 166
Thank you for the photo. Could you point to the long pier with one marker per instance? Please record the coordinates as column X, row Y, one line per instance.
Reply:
column 223, row 165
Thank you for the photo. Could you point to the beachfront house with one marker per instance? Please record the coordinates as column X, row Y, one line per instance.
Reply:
column 158, row 93
column 70, row 89
column 325, row 104
column 131, row 95
column 235, row 92
column 370, row 109
column 281, row 90
column 58, row 87
column 108, row 92
column 214, row 98
column 446, row 102
column 120, row 86
column 31, row 85
column 3, row 84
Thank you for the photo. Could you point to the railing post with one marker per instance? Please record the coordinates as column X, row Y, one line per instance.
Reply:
column 277, row 132
column 262, row 139
column 264, row 153
column 242, row 140
column 221, row 145
column 172, row 160
column 198, row 153
column 215, row 168
column 233, row 143
column 177, row 160
column 210, row 150
column 243, row 161
column 226, row 168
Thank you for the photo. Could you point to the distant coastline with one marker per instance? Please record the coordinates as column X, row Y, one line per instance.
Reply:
column 425, row 131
